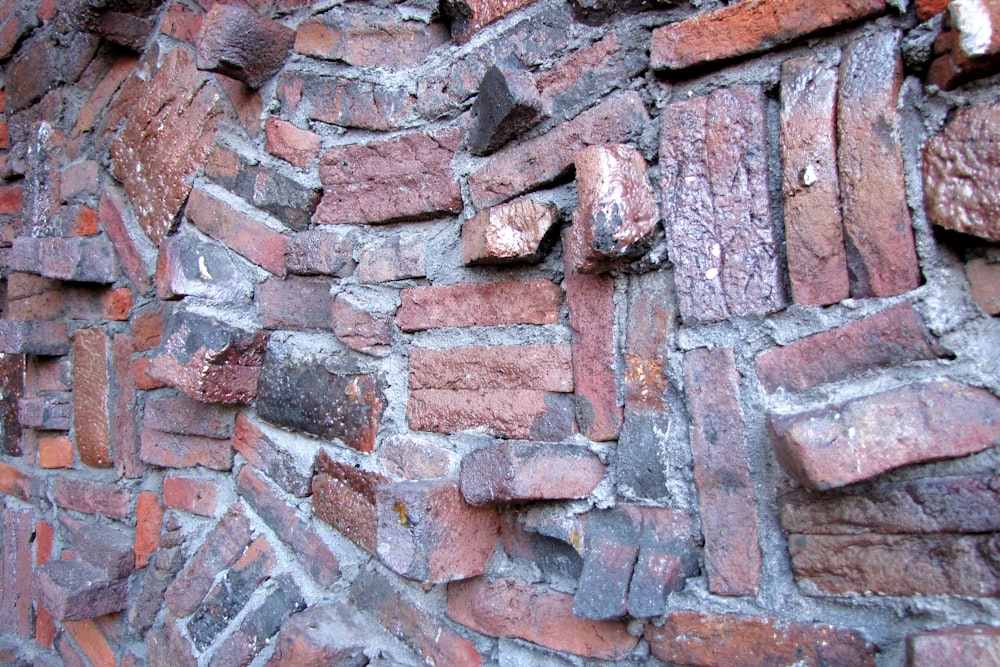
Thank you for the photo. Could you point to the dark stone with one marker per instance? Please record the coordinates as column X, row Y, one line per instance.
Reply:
column 507, row 105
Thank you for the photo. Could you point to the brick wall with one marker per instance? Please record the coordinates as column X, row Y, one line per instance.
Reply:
column 554, row 332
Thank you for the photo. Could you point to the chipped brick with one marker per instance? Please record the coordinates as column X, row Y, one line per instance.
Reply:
column 242, row 44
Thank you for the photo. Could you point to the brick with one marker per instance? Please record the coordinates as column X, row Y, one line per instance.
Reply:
column 482, row 305
column 344, row 497
column 509, row 233
column 147, row 327
column 592, row 71
column 881, row 257
column 102, row 546
column 325, row 634
column 518, row 471
column 403, row 178
column 31, row 297
column 890, row 337
column 92, row 642
column 148, row 522
column 746, row 28
column 965, row 199
column 15, row 571
column 544, row 367
column 189, row 266
column 707, row 640
column 55, row 452
column 506, row 106
column 350, row 103
column 668, row 556
column 984, row 284
column 11, row 199
column 929, row 8
column 260, row 625
column 167, row 647
column 713, row 161
column 242, row 44
column 145, row 607
column 91, row 397
column 123, row 410
column 237, row 230
column 610, row 551
column 369, row 39
column 504, row 413
column 48, row 373
column 81, row 259
column 814, row 231
column 415, row 458
column 427, row 532
column 170, row 450
column 79, row 220
column 362, row 328
column 158, row 139
column 841, row 444
column 470, row 16
column 722, row 473
column 42, row 64
column 131, row 247
column 92, row 497
column 12, row 385
column 209, row 360
column 319, row 252
column 34, row 337
column 72, row 590
column 190, row 495
column 966, row 47
column 312, row 552
column 548, row 158
column 282, row 465
column 399, row 257
column 103, row 91
column 302, row 394
column 172, row 413
column 284, row 140
column 508, row 608
column 650, row 326
column 958, row 645
column 45, row 627
column 123, row 28
column 182, row 23
column 78, row 179
column 223, row 545
column 51, row 412
column 15, row 22
column 15, row 483
column 427, row 634
column 293, row 304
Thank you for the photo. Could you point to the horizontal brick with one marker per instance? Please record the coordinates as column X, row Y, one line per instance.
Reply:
column 543, row 367
column 196, row 496
column 172, row 413
column 294, row 145
column 346, row 102
column 488, row 304
column 31, row 297
column 189, row 266
column 238, row 230
column 50, row 412
column 72, row 590
column 369, row 39
column 344, row 497
column 362, row 328
column 293, row 304
column 523, row 414
column 959, row 645
column 841, row 444
column 81, row 259
column 412, row 457
column 170, row 450
column 34, row 337
column 288, row 468
column 470, row 16
column 320, row 252
column 399, row 257
column 92, row 497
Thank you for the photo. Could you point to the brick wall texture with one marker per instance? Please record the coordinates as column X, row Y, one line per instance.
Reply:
column 499, row 332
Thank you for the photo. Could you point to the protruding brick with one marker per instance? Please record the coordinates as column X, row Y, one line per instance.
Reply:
column 428, row 533
column 984, row 284
column 15, row 570
column 508, row 608
column 347, row 102
column 39, row 337
column 91, row 396
column 107, row 548
column 369, row 39
column 470, row 16
column 509, row 233
column 482, row 305
column 293, row 303
column 959, row 645
column 881, row 256
column 706, row 640
column 185, row 416
column 716, row 207
column 319, row 252
column 610, row 551
column 81, row 259
column 750, row 27
column 72, row 590
column 506, row 105
column 284, row 140
column 285, row 467
column 728, row 500
column 242, row 44
column 841, row 444
column 190, row 495
column 189, row 266
column 399, row 257
column 344, row 497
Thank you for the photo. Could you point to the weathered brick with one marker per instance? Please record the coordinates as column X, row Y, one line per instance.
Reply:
column 123, row 409
column 399, row 257
column 427, row 532
column 470, row 16
column 15, row 21
column 148, row 521
column 726, row 492
column 350, row 103
column 505, row 413
column 79, row 178
column 11, row 199
column 260, row 625
column 750, row 27
column 174, row 413
column 15, row 571
column 45, row 627
column 413, row 457
column 610, row 551
column 167, row 647
column 102, row 93
column 31, row 297
column 543, row 367
column 363, row 329
column 508, row 608
column 81, row 259
column 330, row 633
column 148, row 600
column 107, row 548
column 294, row 145
column 14, row 482
column 242, row 44
column 293, row 303
column 546, row 159
column 190, row 495
column 131, row 246
column 707, row 640
column 967, row 47
column 182, row 23
column 72, row 590
column 650, row 326
column 91, row 397
column 881, row 256
column 965, row 198
column 403, row 178
column 507, row 104
column 890, row 337
column 51, row 412
column 156, row 154
column 92, row 497
column 320, row 252
column 518, row 471
column 509, row 233
column 482, row 305
column 592, row 70
column 223, row 545
column 55, row 452
column 189, row 266
column 369, row 39
column 958, row 645
column 42, row 64
column 171, row 450
column 668, row 555
column 984, row 284
column 814, row 231
column 716, row 208
column 344, row 497
column 12, row 385
column 312, row 552
column 123, row 28
column 283, row 466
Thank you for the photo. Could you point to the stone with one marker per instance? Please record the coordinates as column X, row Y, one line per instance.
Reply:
column 840, row 444
column 957, row 645
column 34, row 337
column 961, row 167
column 984, row 284
column 479, row 305
column 72, row 590
column 344, row 497
column 470, row 16
column 369, row 39
column 82, row 259
column 319, row 252
column 91, row 397
column 190, row 266
column 509, row 233
column 242, row 44
column 294, row 145
column 506, row 106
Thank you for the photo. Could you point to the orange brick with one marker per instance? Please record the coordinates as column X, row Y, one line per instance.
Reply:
column 92, row 642
column 55, row 452
column 149, row 519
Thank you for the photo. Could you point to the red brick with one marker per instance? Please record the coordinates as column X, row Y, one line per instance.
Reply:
column 402, row 178
column 958, row 645
column 11, row 199
column 610, row 552
column 167, row 647
column 320, row 252
column 716, row 207
column 169, row 450
column 223, row 545
column 967, row 47
column 360, row 328
column 72, row 590
column 508, row 608
column 650, row 326
column 509, row 233
column 668, row 555
column 91, row 396
column 189, row 266
column 344, row 497
column 479, row 305
column 80, row 259
column 123, row 411
column 15, row 22
column 107, row 548
column 148, row 521
column 415, row 458
column 44, row 63
column 92, row 642
column 841, row 444
column 243, row 44
column 399, row 257
column 545, row 159
column 711, row 640
column 284, row 140
column 291, row 472
column 190, row 495
column 78, row 179
column 325, row 634
column 35, row 337
column 147, row 328
column 182, row 23
column 890, row 337
column 504, row 413
column 353, row 103
column 294, row 303
column 102, row 93
column 55, row 452
column 45, row 627
column 470, row 16
column 83, row 220
column 31, row 297
column 544, row 367
column 929, row 8
column 984, row 284
column 750, row 27
column 15, row 483
column 428, row 533
column 881, row 256
column 92, row 497
column 184, row 416
column 726, row 492
column 369, row 39
column 312, row 552
column 15, row 595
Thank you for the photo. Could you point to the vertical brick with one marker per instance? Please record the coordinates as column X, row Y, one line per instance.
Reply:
column 344, row 497
column 123, row 419
column 133, row 250
column 148, row 521
column 45, row 627
column 15, row 572
column 91, row 397
column 12, row 369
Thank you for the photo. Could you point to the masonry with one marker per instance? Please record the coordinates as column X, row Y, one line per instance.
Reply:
column 535, row 332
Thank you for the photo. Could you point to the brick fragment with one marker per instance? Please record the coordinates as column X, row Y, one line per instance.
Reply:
column 55, row 452
column 324, row 634
column 189, row 266
column 427, row 532
column 509, row 233
column 369, row 39
column 488, row 304
column 51, row 412
column 319, row 252
column 148, row 522
column 713, row 161
column 72, row 590
column 131, row 247
column 123, row 28
column 508, row 608
column 347, row 102
column 650, row 326
column 15, row 571
column 284, row 140
column 344, row 497
column 92, row 497
column 242, row 44
column 91, row 397
column 403, row 178
column 706, row 640
column 984, row 284
column 283, row 466
column 546, row 159
column 506, row 106
column 167, row 647
column 890, row 337
column 260, row 625
column 967, row 47
column 190, row 495
column 104, row 547
column 364, row 329
column 470, row 16
column 92, row 641
column 728, row 500
column 14, row 482
column 171, row 450
column 958, row 645
column 15, row 22
column 841, row 444
column 668, row 555
column 81, row 259
column 165, row 563
column 750, row 27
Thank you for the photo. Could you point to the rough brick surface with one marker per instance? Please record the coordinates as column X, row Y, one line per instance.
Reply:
column 544, row 367
column 838, row 445
column 668, row 555
column 87, row 260
column 984, row 284
column 369, row 39
column 327, row 634
column 365, row 330
column 112, row 214
column 92, row 497
column 72, row 590
column 509, row 233
column 171, row 450
column 505, row 413
column 297, row 146
column 190, row 495
column 344, row 497
column 242, row 44
column 293, row 304
column 14, row 482
column 282, row 466
column 960, row 645
column 15, row 571
column 45, row 63
column 350, row 103
column 610, row 551
column 48, row 338
column 412, row 457
column 260, row 625
column 55, row 452
column 173, row 413
column 107, row 548
column 189, row 266
column 474, row 305
column 91, row 397
column 12, row 368
column 319, row 252
column 399, row 257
